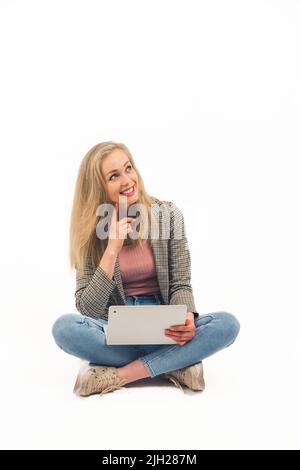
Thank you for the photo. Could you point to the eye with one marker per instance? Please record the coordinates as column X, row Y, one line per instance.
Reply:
column 129, row 167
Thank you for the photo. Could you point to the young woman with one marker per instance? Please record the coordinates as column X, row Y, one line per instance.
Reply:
column 137, row 261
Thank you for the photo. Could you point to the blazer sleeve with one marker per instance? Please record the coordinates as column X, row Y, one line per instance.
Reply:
column 93, row 290
column 180, row 289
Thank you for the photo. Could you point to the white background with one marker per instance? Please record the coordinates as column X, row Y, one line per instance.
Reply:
column 206, row 95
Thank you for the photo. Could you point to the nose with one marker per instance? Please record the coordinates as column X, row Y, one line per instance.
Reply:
column 125, row 181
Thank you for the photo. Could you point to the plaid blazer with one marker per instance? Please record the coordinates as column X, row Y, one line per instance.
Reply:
column 96, row 292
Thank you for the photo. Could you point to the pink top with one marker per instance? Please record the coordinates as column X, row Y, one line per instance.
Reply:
column 138, row 271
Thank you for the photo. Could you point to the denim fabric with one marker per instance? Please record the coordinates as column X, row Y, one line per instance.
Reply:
column 84, row 337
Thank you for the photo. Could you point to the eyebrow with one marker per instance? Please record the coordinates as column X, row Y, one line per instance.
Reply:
column 112, row 171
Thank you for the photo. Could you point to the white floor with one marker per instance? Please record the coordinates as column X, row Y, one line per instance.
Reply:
column 247, row 404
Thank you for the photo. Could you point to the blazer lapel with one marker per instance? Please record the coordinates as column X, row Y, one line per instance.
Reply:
column 160, row 253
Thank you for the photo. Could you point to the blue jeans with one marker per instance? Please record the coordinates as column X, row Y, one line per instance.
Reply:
column 84, row 337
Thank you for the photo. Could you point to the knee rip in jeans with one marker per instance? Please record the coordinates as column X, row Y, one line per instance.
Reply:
column 204, row 319
column 90, row 322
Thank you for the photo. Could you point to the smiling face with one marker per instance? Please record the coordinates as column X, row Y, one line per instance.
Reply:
column 121, row 180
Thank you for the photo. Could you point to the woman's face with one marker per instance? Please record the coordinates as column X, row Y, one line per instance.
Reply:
column 119, row 176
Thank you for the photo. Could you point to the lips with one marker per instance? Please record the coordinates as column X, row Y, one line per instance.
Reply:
column 129, row 192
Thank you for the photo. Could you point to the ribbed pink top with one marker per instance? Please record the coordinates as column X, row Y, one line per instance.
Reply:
column 138, row 272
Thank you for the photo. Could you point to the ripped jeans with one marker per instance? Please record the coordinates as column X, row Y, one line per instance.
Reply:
column 84, row 337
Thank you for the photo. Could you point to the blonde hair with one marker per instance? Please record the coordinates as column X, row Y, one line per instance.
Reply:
column 89, row 193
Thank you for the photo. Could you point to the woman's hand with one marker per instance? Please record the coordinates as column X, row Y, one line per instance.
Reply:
column 118, row 230
column 182, row 333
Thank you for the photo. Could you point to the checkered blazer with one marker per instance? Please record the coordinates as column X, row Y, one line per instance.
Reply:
column 96, row 292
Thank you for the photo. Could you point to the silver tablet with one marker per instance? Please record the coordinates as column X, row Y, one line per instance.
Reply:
column 142, row 324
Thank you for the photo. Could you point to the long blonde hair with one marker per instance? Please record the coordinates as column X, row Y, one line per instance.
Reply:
column 89, row 194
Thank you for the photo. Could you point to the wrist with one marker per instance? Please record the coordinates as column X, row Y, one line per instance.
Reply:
column 191, row 315
column 111, row 251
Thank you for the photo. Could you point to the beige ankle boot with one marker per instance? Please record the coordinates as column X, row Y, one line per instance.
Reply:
column 191, row 376
column 97, row 379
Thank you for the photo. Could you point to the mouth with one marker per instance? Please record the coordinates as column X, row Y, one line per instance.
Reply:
column 129, row 192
